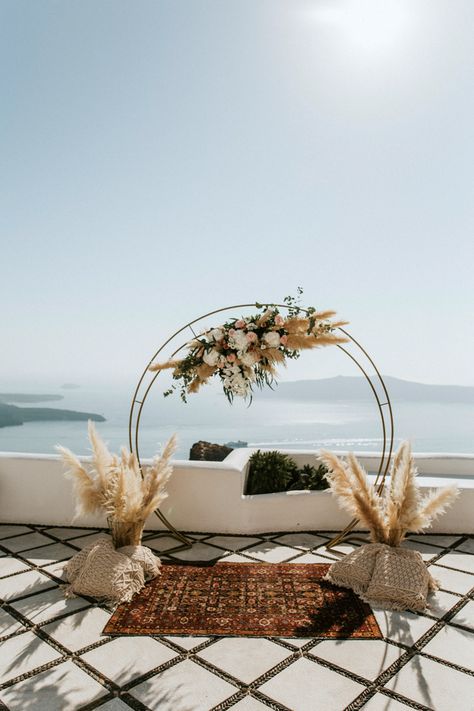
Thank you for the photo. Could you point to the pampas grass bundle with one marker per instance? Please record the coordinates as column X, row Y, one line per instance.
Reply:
column 115, row 485
column 389, row 516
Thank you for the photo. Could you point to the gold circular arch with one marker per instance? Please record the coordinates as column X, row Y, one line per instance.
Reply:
column 382, row 400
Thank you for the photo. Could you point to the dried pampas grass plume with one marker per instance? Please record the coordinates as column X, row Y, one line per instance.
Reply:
column 115, row 486
column 391, row 515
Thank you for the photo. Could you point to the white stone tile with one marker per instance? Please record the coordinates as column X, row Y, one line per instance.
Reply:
column 64, row 533
column 403, row 627
column 188, row 642
column 249, row 704
column 435, row 540
column 459, row 560
column 311, row 558
column 465, row 616
column 185, row 686
column 467, row 546
column 232, row 543
column 63, row 688
column 26, row 542
column 380, row 702
column 305, row 681
column 244, row 658
column 271, row 552
column 7, row 530
column 367, row 658
column 199, row 552
column 8, row 624
column 22, row 654
column 236, row 558
column 24, row 584
column 48, row 554
column 338, row 551
column 114, row 705
column 8, row 566
column 80, row 629
column 440, row 602
column 84, row 541
column 57, row 569
column 45, row 606
column 302, row 540
column 297, row 642
column 161, row 543
column 452, row 579
column 125, row 658
column 434, row 685
column 453, row 645
column 426, row 551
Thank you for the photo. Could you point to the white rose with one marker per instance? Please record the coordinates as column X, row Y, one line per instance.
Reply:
column 211, row 357
column 217, row 334
column 271, row 339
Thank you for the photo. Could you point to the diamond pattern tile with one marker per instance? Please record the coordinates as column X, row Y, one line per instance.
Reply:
column 271, row 552
column 453, row 645
column 62, row 661
column 80, row 629
column 44, row 606
column 22, row 654
column 434, row 685
column 310, row 683
column 376, row 657
column 184, row 686
column 244, row 658
column 64, row 688
column 24, row 584
column 125, row 658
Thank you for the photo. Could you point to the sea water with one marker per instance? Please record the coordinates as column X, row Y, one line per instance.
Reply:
column 269, row 422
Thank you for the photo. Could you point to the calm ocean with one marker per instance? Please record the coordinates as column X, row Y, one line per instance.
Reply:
column 269, row 422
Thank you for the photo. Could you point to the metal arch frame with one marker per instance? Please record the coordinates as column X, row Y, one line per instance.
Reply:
column 384, row 463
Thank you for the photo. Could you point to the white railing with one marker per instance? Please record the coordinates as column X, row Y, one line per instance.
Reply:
column 208, row 496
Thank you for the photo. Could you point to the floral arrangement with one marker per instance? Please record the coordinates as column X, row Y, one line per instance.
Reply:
column 245, row 351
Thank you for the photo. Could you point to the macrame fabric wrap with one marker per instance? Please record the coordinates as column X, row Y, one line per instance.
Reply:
column 385, row 577
column 113, row 575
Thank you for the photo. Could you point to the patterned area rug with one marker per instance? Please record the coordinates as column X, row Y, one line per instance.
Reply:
column 245, row 600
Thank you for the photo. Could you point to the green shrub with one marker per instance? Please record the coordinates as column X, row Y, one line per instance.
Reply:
column 270, row 472
column 309, row 477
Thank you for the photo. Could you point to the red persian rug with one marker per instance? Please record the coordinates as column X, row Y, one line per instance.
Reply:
column 245, row 599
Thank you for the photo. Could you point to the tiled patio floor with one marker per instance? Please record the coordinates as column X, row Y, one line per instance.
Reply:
column 52, row 655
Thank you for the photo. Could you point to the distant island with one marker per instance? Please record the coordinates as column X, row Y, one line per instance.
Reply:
column 12, row 416
column 25, row 397
column 357, row 388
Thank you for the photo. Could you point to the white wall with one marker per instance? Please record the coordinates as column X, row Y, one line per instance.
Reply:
column 208, row 496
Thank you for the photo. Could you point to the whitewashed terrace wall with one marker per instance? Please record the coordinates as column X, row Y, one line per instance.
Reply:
column 208, row 496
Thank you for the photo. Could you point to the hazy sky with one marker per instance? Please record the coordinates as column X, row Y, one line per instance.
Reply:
column 163, row 158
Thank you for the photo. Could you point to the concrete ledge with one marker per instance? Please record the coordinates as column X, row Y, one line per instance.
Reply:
column 208, row 496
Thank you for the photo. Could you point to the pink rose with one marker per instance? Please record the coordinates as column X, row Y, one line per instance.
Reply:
column 231, row 357
column 239, row 323
column 279, row 320
column 231, row 332
column 284, row 340
column 252, row 337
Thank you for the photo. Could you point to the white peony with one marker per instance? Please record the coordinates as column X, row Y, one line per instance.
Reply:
column 211, row 357
column 239, row 341
column 271, row 339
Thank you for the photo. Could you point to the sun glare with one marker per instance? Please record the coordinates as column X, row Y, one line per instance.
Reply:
column 371, row 28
